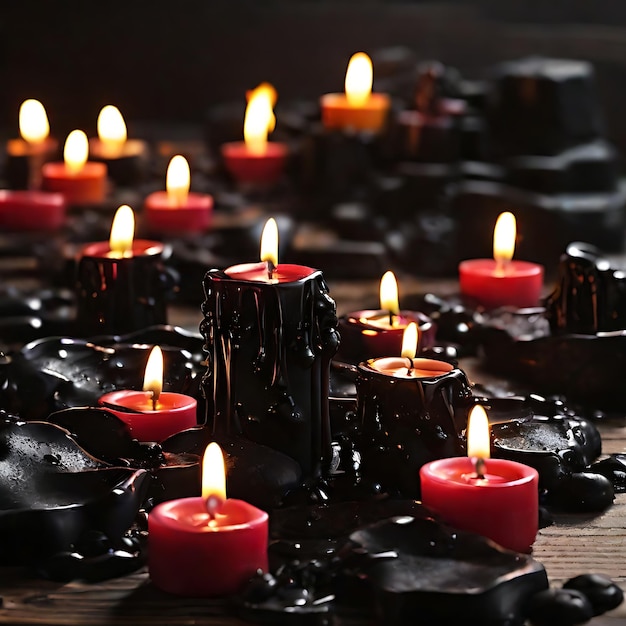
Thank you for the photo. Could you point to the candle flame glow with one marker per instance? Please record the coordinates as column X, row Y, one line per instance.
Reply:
column 359, row 78
column 122, row 232
column 478, row 433
column 259, row 119
column 389, row 293
column 177, row 181
column 269, row 242
column 111, row 130
column 410, row 341
column 153, row 376
column 75, row 151
column 504, row 235
column 33, row 121
column 213, row 472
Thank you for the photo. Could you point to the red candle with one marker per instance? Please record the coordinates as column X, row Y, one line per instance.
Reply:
column 492, row 497
column 31, row 210
column 79, row 180
column 358, row 109
column 151, row 414
column 255, row 159
column 206, row 546
column 178, row 210
column 501, row 281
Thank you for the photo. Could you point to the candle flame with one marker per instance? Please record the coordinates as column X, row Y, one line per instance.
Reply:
column 33, row 121
column 111, row 130
column 389, row 293
column 153, row 377
column 359, row 77
column 122, row 232
column 75, row 151
column 410, row 341
column 478, row 433
column 177, row 181
column 504, row 235
column 269, row 242
column 260, row 119
column 213, row 473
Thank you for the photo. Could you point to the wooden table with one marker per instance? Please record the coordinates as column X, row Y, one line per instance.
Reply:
column 575, row 544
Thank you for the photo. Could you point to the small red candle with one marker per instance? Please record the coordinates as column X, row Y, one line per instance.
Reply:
column 79, row 180
column 31, row 210
column 257, row 160
column 151, row 414
column 176, row 209
column 358, row 109
column 492, row 497
column 501, row 281
column 207, row 546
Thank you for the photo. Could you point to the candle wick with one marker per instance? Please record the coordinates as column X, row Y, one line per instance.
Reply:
column 155, row 401
column 213, row 503
column 271, row 268
column 409, row 369
column 391, row 318
column 479, row 465
column 502, row 266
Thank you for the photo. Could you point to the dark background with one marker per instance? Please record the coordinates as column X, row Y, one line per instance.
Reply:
column 168, row 61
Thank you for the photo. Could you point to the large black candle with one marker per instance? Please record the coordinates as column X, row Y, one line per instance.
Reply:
column 270, row 339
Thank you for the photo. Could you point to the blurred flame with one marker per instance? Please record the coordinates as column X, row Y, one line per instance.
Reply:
column 269, row 242
column 33, row 121
column 111, row 130
column 504, row 235
column 75, row 151
column 409, row 341
column 478, row 444
column 359, row 78
column 260, row 119
column 213, row 472
column 153, row 377
column 389, row 293
column 177, row 181
column 122, row 231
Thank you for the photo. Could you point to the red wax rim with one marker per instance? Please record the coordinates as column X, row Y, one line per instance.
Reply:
column 141, row 247
column 257, row 272
column 446, row 470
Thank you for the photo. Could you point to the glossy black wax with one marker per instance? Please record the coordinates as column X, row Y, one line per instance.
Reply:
column 269, row 350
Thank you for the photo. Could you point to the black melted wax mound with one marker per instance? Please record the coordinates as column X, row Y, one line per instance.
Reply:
column 330, row 558
column 59, row 372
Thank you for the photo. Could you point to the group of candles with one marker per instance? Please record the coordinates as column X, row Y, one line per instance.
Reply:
column 210, row 545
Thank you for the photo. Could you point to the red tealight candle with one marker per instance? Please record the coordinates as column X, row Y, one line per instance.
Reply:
column 151, row 414
column 176, row 209
column 492, row 497
column 257, row 160
column 31, row 210
column 358, row 109
column 501, row 281
column 207, row 546
column 79, row 180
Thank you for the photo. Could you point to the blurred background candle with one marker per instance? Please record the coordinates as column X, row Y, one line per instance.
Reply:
column 80, row 181
column 152, row 414
column 257, row 160
column 358, row 108
column 126, row 159
column 495, row 498
column 210, row 545
column 26, row 156
column 22, row 210
column 372, row 333
column 177, row 209
column 501, row 281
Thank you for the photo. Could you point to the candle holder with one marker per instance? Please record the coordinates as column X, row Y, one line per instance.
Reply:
column 121, row 295
column 269, row 350
column 406, row 422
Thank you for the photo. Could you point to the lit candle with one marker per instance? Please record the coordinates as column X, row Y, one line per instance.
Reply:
column 256, row 159
column 122, row 283
column 151, row 414
column 270, row 331
column 501, row 281
column 207, row 546
column 492, row 497
column 176, row 209
column 23, row 210
column 79, row 180
column 25, row 156
column 374, row 333
column 125, row 158
column 358, row 109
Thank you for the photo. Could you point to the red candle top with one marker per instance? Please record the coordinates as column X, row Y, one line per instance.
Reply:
column 406, row 368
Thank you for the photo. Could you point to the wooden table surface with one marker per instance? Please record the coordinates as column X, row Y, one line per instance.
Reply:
column 575, row 544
